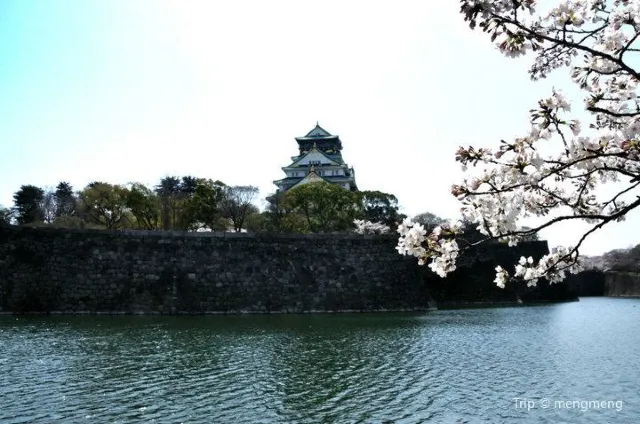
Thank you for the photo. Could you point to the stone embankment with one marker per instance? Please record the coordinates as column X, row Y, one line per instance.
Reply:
column 53, row 270
column 622, row 284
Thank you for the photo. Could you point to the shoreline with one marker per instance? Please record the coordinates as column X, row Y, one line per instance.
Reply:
column 441, row 307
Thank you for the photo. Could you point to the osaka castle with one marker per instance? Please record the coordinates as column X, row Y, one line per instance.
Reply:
column 319, row 159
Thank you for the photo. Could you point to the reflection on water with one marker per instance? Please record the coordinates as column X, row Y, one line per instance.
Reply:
column 447, row 366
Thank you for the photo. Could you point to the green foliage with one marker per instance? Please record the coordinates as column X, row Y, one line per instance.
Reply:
column 72, row 221
column 428, row 219
column 170, row 194
column 190, row 203
column 380, row 207
column 168, row 186
column 6, row 215
column 64, row 199
column 324, row 207
column 201, row 209
column 622, row 260
column 144, row 205
column 256, row 222
column 277, row 219
column 106, row 204
column 188, row 185
column 274, row 213
column 28, row 204
column 294, row 223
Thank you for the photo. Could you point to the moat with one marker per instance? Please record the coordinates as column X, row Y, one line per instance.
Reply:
column 455, row 366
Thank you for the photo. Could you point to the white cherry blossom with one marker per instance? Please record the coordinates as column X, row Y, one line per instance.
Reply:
column 599, row 41
column 368, row 227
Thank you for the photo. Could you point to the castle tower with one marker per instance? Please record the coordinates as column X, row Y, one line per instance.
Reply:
column 319, row 159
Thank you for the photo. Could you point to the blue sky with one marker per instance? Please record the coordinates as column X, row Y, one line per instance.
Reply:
column 135, row 90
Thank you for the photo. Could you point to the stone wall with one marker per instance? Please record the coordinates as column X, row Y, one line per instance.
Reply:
column 473, row 281
column 70, row 271
column 625, row 284
column 48, row 269
column 590, row 282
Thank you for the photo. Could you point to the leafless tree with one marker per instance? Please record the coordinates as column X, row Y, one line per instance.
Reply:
column 237, row 204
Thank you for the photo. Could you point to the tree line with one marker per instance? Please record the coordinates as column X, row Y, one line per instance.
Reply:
column 198, row 204
column 322, row 207
column 177, row 203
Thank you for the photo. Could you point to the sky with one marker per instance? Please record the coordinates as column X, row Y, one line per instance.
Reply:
column 135, row 90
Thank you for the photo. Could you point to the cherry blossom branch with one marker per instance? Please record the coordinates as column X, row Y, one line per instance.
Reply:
column 609, row 112
column 567, row 43
column 517, row 181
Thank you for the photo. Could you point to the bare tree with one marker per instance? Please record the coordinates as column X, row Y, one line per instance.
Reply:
column 237, row 204
column 49, row 205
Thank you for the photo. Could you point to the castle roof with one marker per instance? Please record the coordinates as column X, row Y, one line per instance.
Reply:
column 315, row 176
column 318, row 149
column 313, row 153
column 310, row 178
column 333, row 156
column 318, row 133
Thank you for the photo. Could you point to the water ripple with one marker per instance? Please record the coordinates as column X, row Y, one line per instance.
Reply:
column 449, row 367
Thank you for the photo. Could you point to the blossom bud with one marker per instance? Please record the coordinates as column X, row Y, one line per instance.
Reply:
column 462, row 154
column 475, row 183
column 458, row 190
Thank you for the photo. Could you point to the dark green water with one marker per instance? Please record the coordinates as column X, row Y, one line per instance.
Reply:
column 462, row 366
